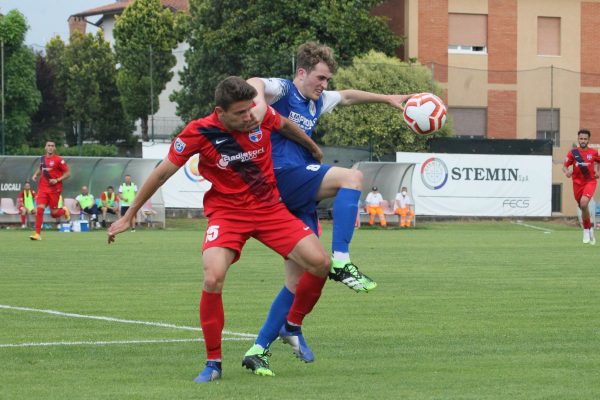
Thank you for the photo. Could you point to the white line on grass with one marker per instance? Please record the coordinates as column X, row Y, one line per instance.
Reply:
column 533, row 227
column 119, row 320
column 106, row 343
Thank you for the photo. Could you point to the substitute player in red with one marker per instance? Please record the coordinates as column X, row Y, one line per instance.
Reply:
column 584, row 174
column 26, row 203
column 243, row 202
column 53, row 170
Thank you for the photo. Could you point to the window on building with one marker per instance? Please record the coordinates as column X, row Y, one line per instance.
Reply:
column 548, row 36
column 556, row 197
column 548, row 125
column 467, row 33
column 469, row 121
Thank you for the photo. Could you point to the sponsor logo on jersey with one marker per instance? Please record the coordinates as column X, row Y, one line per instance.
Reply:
column 305, row 123
column 51, row 163
column 239, row 157
column 179, row 145
column 255, row 135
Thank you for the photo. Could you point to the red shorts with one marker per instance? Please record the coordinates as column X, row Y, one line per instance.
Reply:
column 49, row 199
column 274, row 226
column 586, row 188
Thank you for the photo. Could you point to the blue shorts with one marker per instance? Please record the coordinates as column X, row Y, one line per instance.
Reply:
column 298, row 187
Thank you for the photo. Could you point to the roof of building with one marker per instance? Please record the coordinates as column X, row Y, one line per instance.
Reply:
column 118, row 7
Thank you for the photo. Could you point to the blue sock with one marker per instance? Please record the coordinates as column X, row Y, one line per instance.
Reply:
column 345, row 209
column 276, row 318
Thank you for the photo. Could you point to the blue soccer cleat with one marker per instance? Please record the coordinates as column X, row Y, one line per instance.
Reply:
column 299, row 345
column 211, row 372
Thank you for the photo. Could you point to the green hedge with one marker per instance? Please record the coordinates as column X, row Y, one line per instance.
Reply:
column 87, row 150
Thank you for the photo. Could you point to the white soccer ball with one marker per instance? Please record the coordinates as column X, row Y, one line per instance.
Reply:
column 425, row 113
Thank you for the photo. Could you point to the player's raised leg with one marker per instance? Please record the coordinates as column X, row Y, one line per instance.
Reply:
column 212, row 316
column 345, row 185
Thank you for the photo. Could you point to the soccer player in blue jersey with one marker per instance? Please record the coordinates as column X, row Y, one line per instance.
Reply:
column 303, row 181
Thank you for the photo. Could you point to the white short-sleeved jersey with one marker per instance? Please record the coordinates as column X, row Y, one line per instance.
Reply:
column 374, row 199
column 404, row 201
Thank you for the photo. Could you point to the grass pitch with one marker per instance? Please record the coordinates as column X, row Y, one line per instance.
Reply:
column 462, row 311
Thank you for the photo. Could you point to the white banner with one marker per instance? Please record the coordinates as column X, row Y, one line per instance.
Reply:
column 481, row 185
column 186, row 188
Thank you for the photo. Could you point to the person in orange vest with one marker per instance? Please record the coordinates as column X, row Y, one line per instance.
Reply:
column 374, row 202
column 26, row 202
column 404, row 208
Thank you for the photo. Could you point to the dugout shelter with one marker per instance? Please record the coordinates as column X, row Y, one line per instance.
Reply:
column 389, row 177
column 95, row 172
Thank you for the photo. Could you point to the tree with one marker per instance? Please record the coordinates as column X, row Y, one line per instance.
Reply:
column 48, row 121
column 378, row 124
column 145, row 36
column 92, row 106
column 259, row 38
column 21, row 96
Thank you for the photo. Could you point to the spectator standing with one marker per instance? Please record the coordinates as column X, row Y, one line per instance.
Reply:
column 127, row 192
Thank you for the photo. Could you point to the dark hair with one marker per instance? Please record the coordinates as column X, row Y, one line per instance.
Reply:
column 233, row 89
column 110, row 187
column 584, row 132
column 311, row 53
column 50, row 141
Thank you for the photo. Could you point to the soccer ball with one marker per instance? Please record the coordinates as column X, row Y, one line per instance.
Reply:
column 425, row 113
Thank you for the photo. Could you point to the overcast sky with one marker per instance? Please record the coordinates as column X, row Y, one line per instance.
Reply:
column 47, row 18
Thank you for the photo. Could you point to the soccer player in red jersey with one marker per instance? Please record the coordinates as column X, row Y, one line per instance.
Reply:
column 243, row 202
column 584, row 174
column 53, row 170
column 25, row 202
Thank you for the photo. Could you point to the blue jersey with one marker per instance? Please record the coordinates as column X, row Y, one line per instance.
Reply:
column 287, row 100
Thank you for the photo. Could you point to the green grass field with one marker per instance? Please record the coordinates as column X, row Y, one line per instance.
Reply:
column 471, row 310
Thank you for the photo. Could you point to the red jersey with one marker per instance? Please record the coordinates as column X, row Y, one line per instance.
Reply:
column 52, row 168
column 238, row 164
column 583, row 163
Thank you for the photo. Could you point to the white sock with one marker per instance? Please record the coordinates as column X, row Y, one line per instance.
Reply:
column 340, row 256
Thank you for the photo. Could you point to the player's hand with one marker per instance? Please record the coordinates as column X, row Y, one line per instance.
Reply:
column 120, row 225
column 258, row 114
column 398, row 100
column 569, row 173
column 33, row 178
column 53, row 181
column 318, row 154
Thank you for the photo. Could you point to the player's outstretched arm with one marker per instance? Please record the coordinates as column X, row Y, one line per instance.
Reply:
column 36, row 173
column 260, row 101
column 351, row 97
column 157, row 178
column 293, row 132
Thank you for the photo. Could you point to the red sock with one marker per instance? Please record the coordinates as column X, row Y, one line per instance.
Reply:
column 57, row 212
column 308, row 292
column 587, row 224
column 212, row 320
column 39, row 219
column 23, row 219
